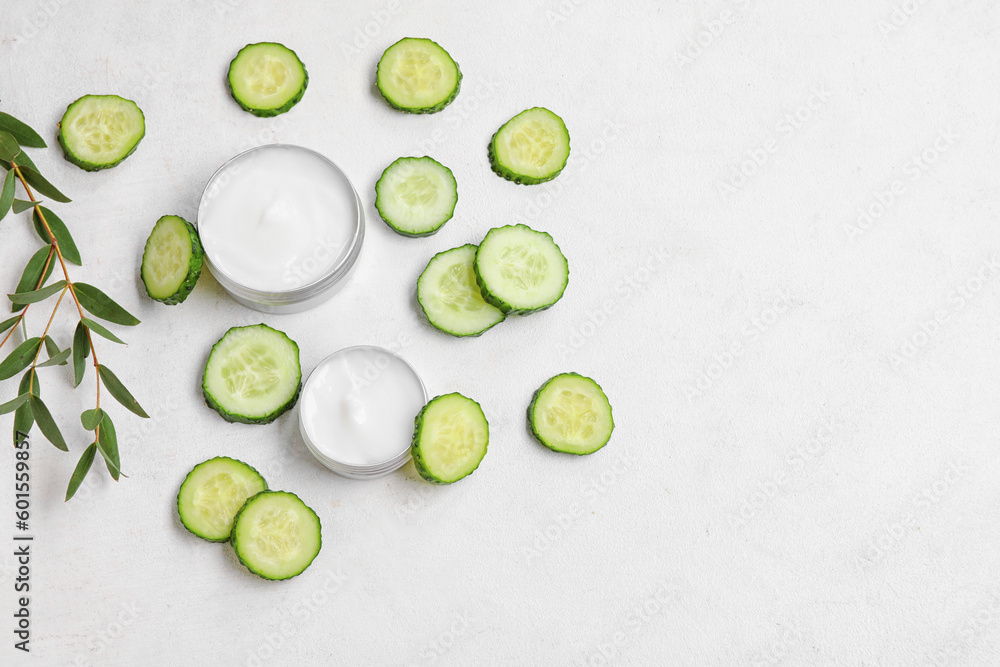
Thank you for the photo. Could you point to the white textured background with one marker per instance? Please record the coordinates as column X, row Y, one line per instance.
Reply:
column 805, row 468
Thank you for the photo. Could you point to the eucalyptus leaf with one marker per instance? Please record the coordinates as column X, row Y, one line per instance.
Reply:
column 65, row 240
column 31, row 277
column 24, row 135
column 9, row 149
column 47, row 424
column 10, row 406
column 20, row 358
column 121, row 394
column 37, row 295
column 58, row 359
column 91, row 418
column 82, row 468
column 7, row 324
column 100, row 330
column 24, row 161
column 7, row 194
column 101, row 305
column 107, row 442
column 50, row 345
column 23, row 418
column 81, row 350
column 53, row 351
column 43, row 186
column 21, row 205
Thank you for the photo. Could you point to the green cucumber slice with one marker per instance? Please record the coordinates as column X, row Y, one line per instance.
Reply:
column 416, row 75
column 252, row 375
column 450, row 297
column 267, row 79
column 416, row 195
column 571, row 414
column 530, row 148
column 171, row 260
column 276, row 535
column 213, row 492
column 520, row 270
column 449, row 439
column 99, row 131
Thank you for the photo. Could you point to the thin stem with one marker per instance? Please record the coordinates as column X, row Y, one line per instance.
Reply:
column 38, row 286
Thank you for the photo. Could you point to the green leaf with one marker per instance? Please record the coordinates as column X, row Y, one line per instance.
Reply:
column 47, row 424
column 24, row 135
column 65, row 240
column 107, row 442
column 81, row 350
column 98, row 329
column 24, row 161
column 20, row 358
column 91, row 418
column 43, row 186
column 50, row 346
column 7, row 194
column 121, row 394
column 21, row 205
column 57, row 359
column 101, row 305
column 8, row 147
column 37, row 295
column 31, row 277
column 10, row 406
column 23, row 419
column 7, row 324
column 82, row 468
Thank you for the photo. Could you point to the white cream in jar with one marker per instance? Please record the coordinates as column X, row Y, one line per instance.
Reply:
column 357, row 409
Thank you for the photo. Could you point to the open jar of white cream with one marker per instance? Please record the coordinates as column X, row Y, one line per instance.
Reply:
column 282, row 228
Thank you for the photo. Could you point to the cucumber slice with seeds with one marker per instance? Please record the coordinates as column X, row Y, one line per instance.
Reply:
column 171, row 260
column 571, row 414
column 416, row 75
column 530, row 148
column 416, row 195
column 449, row 439
column 99, row 131
column 276, row 535
column 520, row 270
column 267, row 78
column 450, row 296
column 213, row 492
column 252, row 375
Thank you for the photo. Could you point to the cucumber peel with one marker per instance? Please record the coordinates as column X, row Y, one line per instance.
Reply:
column 171, row 260
column 570, row 413
column 415, row 196
column 450, row 297
column 100, row 131
column 530, row 148
column 276, row 535
column 450, row 438
column 213, row 492
column 520, row 270
column 267, row 79
column 416, row 75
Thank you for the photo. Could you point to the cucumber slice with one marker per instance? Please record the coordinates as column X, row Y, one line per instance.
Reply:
column 252, row 375
column 267, row 79
column 416, row 195
column 99, row 131
column 416, row 75
column 171, row 261
column 213, row 492
column 532, row 147
column 571, row 414
column 520, row 270
column 276, row 535
column 450, row 297
column 449, row 439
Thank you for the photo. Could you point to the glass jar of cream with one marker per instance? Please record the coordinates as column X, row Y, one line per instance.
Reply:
column 282, row 228
column 357, row 409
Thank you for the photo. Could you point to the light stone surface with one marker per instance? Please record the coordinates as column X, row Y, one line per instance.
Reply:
column 805, row 465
